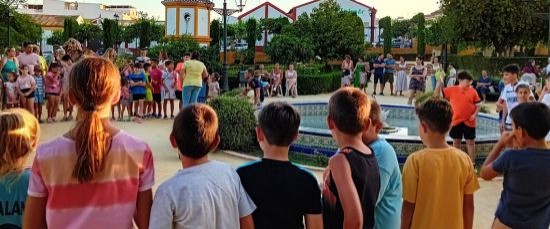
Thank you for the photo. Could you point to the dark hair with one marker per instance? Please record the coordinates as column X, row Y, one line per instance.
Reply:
column 464, row 75
column 452, row 64
column 533, row 117
column 54, row 65
column 349, row 109
column 187, row 54
column 421, row 59
column 196, row 131
column 437, row 113
column 511, row 68
column 155, row 60
column 168, row 63
column 26, row 44
column 216, row 76
column 251, row 72
column 146, row 66
column 195, row 56
column 279, row 122
column 66, row 58
column 522, row 86
column 138, row 65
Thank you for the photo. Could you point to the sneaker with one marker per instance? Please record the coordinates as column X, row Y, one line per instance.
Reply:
column 49, row 120
column 382, row 94
column 165, row 116
column 172, row 117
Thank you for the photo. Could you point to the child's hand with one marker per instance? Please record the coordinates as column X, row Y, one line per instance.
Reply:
column 473, row 117
column 506, row 138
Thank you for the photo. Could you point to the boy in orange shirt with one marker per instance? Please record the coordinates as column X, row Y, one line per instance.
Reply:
column 438, row 182
column 466, row 105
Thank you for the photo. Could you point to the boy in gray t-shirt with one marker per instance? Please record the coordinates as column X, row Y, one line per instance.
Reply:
column 204, row 194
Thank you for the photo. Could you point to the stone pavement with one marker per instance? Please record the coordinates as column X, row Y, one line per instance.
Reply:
column 167, row 163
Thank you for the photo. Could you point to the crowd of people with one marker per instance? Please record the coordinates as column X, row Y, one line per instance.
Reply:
column 98, row 176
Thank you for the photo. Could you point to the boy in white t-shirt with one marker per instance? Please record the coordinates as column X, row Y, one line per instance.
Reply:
column 508, row 96
column 204, row 194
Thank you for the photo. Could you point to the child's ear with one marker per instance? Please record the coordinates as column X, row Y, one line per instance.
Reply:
column 423, row 127
column 259, row 134
column 116, row 99
column 173, row 141
column 330, row 123
column 217, row 141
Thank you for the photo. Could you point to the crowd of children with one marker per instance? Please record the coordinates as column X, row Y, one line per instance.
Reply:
column 96, row 170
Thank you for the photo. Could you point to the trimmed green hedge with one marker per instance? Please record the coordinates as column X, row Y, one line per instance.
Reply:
column 236, row 123
column 493, row 65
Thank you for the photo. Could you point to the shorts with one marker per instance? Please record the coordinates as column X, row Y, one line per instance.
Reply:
column 30, row 96
column 378, row 77
column 363, row 78
column 169, row 94
column 125, row 102
column 38, row 98
column 507, row 127
column 388, row 77
column 178, row 95
column 52, row 94
column 137, row 97
column 461, row 131
column 345, row 80
column 157, row 98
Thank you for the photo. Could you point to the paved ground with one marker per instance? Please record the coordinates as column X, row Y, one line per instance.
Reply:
column 166, row 160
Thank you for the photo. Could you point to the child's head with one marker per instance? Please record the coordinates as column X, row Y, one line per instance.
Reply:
column 94, row 85
column 19, row 133
column 371, row 133
column 146, row 67
column 12, row 76
column 67, row 59
column 464, row 79
column 24, row 69
column 250, row 74
column 524, row 92
column 195, row 131
column 511, row 73
column 215, row 77
column 451, row 65
column 348, row 111
column 530, row 120
column 154, row 63
column 137, row 68
column 37, row 70
column 170, row 65
column 434, row 118
column 55, row 67
column 278, row 125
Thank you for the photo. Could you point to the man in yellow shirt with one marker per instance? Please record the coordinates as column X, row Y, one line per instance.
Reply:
column 439, row 181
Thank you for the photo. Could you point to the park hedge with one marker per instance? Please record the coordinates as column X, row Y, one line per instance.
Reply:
column 493, row 65
column 308, row 84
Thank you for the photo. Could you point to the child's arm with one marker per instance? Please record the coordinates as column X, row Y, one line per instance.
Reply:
column 35, row 213
column 438, row 87
column 468, row 211
column 246, row 222
column 487, row 171
column 143, row 208
column 341, row 173
column 314, row 221
column 407, row 212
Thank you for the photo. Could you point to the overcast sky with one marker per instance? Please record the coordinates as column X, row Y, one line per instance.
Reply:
column 392, row 8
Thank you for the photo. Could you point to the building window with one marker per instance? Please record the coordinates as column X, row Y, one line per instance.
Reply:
column 71, row 5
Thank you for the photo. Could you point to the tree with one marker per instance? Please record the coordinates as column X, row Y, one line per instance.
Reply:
column 110, row 28
column 70, row 28
column 274, row 25
column 87, row 32
column 12, row 3
column 401, row 27
column 252, row 33
column 237, row 31
column 387, row 34
column 22, row 27
column 420, row 22
column 128, row 33
column 148, row 30
column 215, row 32
column 287, row 49
column 56, row 39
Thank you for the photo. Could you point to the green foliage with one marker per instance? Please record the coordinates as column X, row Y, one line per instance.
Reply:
column 387, row 34
column 70, row 28
column 176, row 47
column 88, row 31
column 420, row 22
column 215, row 32
column 110, row 28
column 501, row 24
column 237, row 31
column 493, row 65
column 128, row 34
column 274, row 25
column 252, row 34
column 123, row 58
column 319, row 83
column 233, row 93
column 22, row 27
column 56, row 39
column 236, row 123
column 402, row 27
column 423, row 98
column 287, row 49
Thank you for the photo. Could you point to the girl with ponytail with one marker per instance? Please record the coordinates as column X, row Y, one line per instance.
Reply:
column 95, row 175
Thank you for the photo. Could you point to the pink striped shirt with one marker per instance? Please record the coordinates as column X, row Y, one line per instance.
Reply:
column 109, row 201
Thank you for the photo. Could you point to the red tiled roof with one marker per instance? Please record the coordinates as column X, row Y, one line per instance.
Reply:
column 50, row 20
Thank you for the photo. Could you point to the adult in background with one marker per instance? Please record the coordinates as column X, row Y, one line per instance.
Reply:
column 483, row 84
column 58, row 54
column 360, row 75
column 43, row 62
column 388, row 74
column 8, row 64
column 529, row 71
column 401, row 84
column 347, row 68
column 435, row 67
column 74, row 49
column 276, row 77
column 110, row 54
column 263, row 76
column 291, row 82
column 28, row 58
column 193, row 73
column 379, row 66
column 417, row 84
column 179, row 70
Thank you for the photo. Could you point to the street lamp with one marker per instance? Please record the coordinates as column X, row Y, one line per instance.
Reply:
column 10, row 15
column 117, row 32
column 224, row 12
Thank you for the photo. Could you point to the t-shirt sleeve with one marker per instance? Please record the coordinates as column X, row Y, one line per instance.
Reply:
column 477, row 100
column 246, row 205
column 37, row 186
column 147, row 175
column 502, row 163
column 447, row 92
column 314, row 197
column 162, row 211
column 472, row 183
column 410, row 179
column 503, row 94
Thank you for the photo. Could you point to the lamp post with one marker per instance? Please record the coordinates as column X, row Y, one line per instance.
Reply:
column 10, row 15
column 117, row 32
column 224, row 12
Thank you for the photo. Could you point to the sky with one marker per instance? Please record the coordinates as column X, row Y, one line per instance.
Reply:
column 392, row 8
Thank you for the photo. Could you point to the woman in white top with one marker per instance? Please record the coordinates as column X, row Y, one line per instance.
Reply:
column 452, row 75
column 435, row 67
column 347, row 68
column 291, row 81
column 544, row 97
column 401, row 84
column 276, row 79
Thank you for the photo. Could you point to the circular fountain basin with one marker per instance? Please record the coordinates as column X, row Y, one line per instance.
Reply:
column 315, row 138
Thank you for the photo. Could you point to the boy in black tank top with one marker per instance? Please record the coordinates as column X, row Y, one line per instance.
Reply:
column 284, row 193
column 352, row 179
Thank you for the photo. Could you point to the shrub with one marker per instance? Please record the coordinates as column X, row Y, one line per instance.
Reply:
column 493, row 65
column 236, row 123
column 423, row 98
column 233, row 93
column 318, row 83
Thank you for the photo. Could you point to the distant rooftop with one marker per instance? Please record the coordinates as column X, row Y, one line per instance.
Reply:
column 50, row 20
column 190, row 1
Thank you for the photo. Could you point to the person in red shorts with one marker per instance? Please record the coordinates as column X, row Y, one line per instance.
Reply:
column 466, row 105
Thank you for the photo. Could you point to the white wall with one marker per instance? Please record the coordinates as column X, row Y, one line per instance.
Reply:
column 86, row 10
column 187, row 27
column 171, row 21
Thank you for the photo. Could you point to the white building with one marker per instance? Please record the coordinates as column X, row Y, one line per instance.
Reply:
column 85, row 10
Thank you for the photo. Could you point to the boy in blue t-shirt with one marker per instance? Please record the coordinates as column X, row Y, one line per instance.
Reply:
column 137, row 87
column 388, row 206
column 525, row 199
